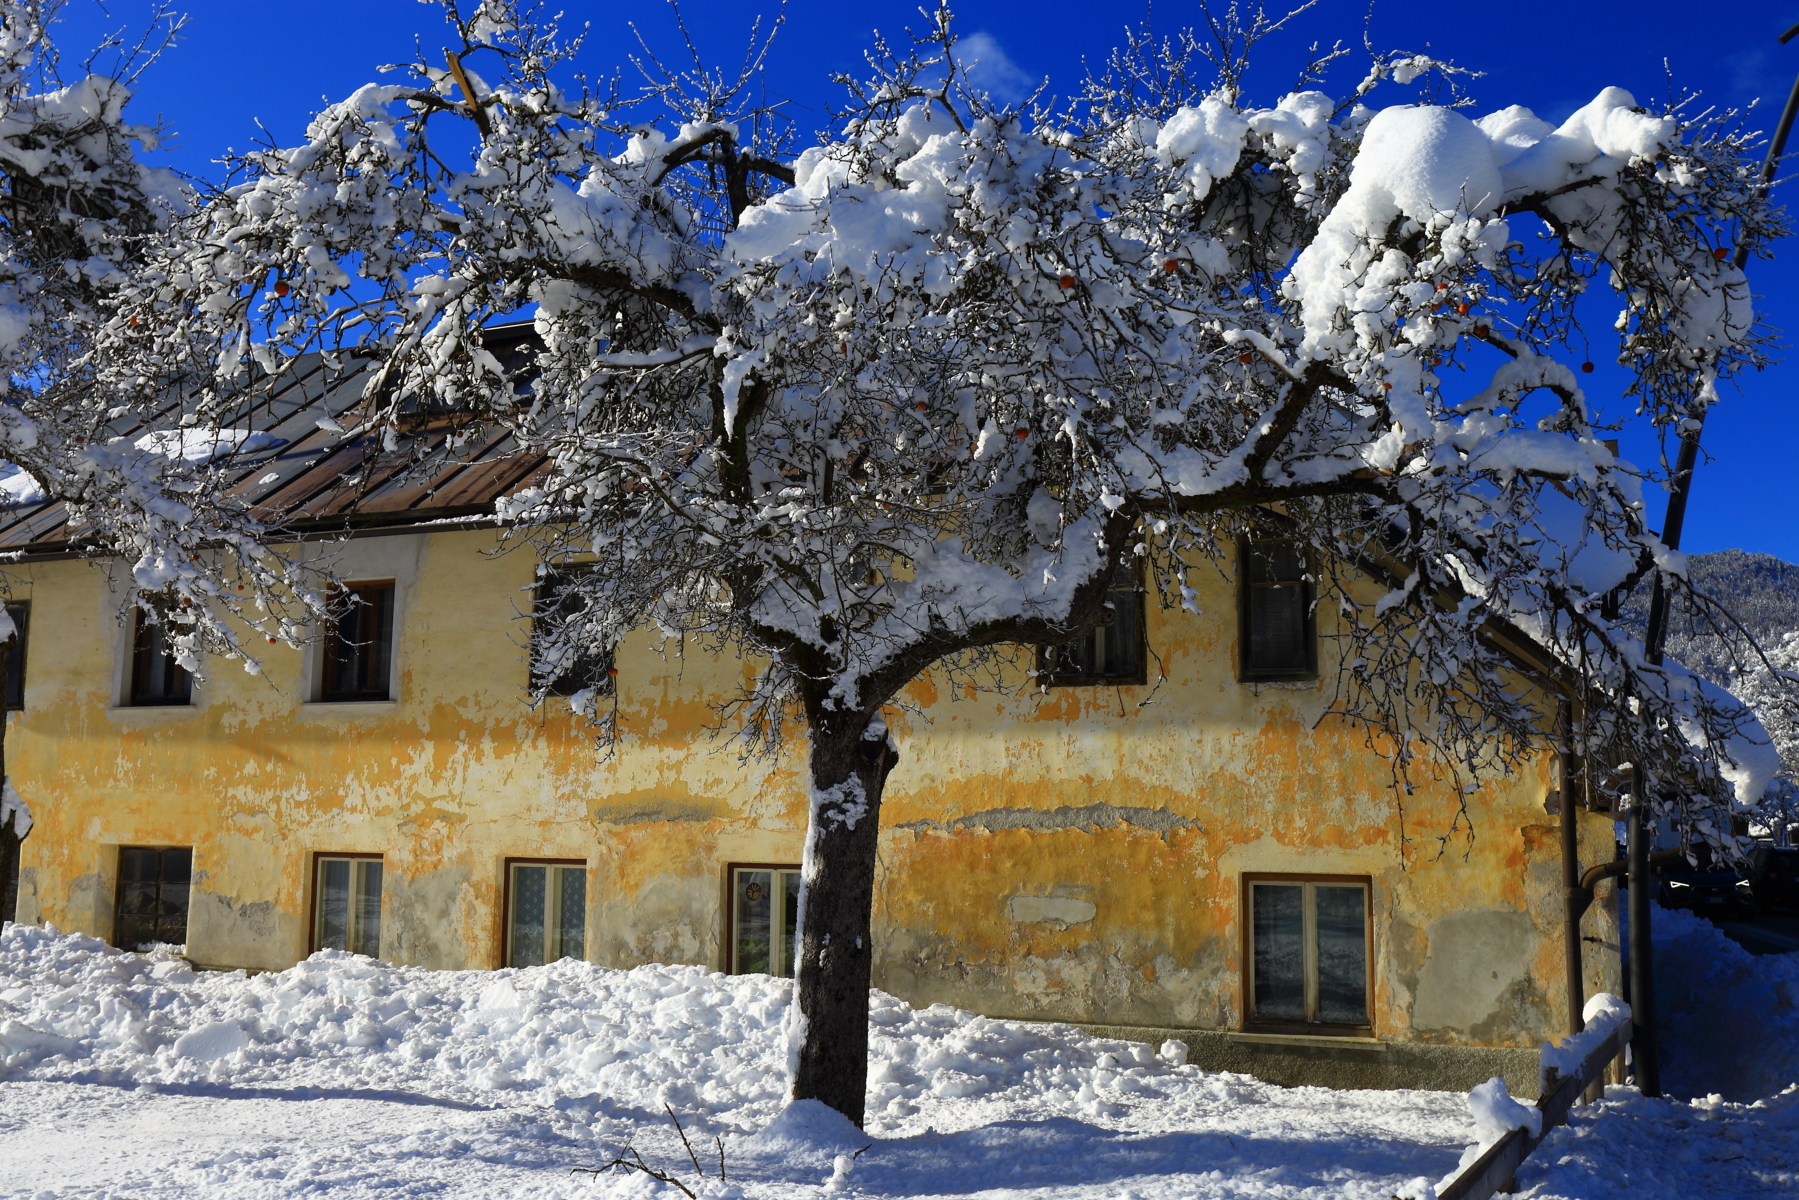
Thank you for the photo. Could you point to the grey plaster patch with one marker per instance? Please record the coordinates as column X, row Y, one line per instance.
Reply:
column 1083, row 983
column 667, row 920
column 1473, row 961
column 90, row 904
column 422, row 916
column 223, row 933
column 1069, row 910
column 650, row 813
column 1086, row 817
column 28, row 913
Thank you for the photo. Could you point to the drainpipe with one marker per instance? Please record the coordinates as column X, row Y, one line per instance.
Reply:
column 1572, row 903
column 1644, row 1056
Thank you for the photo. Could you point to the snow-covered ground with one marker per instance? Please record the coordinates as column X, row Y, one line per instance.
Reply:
column 130, row 1076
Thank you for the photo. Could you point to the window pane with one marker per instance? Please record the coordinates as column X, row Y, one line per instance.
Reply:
column 752, row 904
column 790, row 918
column 367, row 930
column 1124, row 634
column 155, row 677
column 1341, row 921
column 334, row 904
column 176, row 869
column 1114, row 650
column 1277, row 628
column 360, row 648
column 568, row 669
column 1278, row 938
column 530, row 900
column 571, row 913
column 1274, row 562
column 1072, row 660
column 134, row 924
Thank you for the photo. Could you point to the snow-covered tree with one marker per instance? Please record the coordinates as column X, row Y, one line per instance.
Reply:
column 136, row 461
column 1769, row 685
column 911, row 397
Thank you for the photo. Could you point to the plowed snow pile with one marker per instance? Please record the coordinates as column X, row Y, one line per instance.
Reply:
column 130, row 1076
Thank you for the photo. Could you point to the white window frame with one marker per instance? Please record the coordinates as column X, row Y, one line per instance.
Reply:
column 552, row 907
column 358, row 884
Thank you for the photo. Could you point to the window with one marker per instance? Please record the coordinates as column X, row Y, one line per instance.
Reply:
column 575, row 669
column 1306, row 951
column 153, row 889
column 546, row 912
column 358, row 651
column 346, row 903
column 764, row 915
column 1276, row 639
column 1113, row 653
column 15, row 658
column 155, row 677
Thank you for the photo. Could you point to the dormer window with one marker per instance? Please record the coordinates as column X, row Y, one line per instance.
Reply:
column 1276, row 638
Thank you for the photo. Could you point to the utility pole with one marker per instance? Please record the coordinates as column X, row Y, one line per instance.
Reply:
column 1644, row 1053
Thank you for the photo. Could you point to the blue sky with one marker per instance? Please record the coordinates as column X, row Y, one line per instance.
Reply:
column 277, row 62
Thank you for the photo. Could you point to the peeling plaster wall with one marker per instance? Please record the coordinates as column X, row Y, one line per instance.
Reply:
column 1064, row 854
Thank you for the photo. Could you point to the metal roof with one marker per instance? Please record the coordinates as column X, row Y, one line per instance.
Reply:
column 318, row 480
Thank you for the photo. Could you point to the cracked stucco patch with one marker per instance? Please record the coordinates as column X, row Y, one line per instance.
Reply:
column 1086, row 818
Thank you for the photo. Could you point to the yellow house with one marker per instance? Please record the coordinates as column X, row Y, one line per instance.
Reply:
column 1158, row 833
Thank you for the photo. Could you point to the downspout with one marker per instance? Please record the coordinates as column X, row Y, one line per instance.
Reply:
column 1644, row 1055
column 1572, row 905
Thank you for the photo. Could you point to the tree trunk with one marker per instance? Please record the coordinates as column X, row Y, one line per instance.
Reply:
column 828, row 1029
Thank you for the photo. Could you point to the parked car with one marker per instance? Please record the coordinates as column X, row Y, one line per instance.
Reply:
column 1707, row 888
column 1774, row 877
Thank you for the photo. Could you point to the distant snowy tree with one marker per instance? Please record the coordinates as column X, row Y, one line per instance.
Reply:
column 913, row 395
column 1769, row 685
column 132, row 459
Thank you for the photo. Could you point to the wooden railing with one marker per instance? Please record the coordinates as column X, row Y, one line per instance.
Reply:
column 1493, row 1171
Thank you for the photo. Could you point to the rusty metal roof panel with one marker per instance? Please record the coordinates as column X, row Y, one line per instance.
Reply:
column 322, row 473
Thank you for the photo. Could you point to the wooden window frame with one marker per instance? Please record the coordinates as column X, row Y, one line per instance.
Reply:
column 731, row 869
column 118, row 883
column 1247, row 1021
column 20, row 611
column 1247, row 673
column 312, row 885
column 506, row 865
column 327, row 659
column 1047, row 677
column 137, row 654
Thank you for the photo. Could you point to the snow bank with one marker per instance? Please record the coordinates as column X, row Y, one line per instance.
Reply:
column 603, row 1044
column 132, row 1074
column 1729, row 1020
column 1629, row 1148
